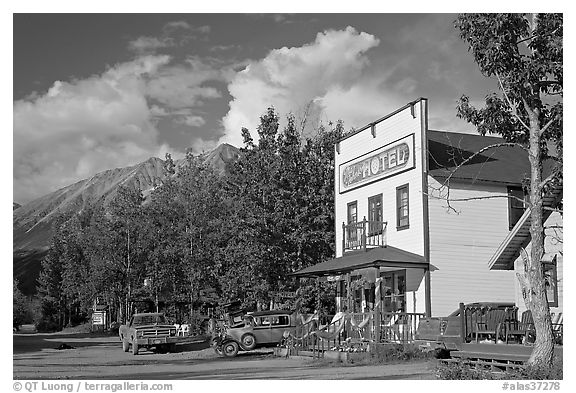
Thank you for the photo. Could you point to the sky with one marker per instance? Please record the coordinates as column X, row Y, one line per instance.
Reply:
column 98, row 91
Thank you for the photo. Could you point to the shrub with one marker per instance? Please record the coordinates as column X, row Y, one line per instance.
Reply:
column 47, row 325
column 462, row 371
column 391, row 353
column 552, row 372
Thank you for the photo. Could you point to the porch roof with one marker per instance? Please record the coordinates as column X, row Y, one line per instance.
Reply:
column 376, row 257
column 519, row 236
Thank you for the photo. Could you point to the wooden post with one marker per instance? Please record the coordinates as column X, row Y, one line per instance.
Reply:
column 377, row 306
column 364, row 233
column 343, row 237
column 318, row 293
column 348, row 292
column 428, row 292
column 463, row 321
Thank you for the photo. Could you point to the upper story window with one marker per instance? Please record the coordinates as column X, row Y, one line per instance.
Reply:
column 352, row 218
column 402, row 208
column 516, row 205
column 375, row 215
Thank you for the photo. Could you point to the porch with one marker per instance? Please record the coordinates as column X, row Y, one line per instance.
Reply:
column 377, row 286
column 352, row 332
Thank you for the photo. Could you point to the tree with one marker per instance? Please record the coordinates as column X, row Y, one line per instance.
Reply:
column 524, row 54
column 20, row 306
column 282, row 218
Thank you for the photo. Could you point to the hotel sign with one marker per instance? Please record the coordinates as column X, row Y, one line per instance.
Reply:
column 384, row 162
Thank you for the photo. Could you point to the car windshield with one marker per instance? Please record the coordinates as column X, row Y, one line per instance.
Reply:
column 148, row 319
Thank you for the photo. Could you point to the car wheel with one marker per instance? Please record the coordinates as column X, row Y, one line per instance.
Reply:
column 125, row 345
column 230, row 349
column 248, row 341
column 135, row 348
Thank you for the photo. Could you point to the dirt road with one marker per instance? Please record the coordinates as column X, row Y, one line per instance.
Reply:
column 101, row 357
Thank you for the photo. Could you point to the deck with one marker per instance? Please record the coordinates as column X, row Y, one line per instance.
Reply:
column 496, row 356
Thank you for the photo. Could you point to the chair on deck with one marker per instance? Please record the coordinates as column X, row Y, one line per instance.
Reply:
column 558, row 328
column 359, row 327
column 491, row 324
column 390, row 329
column 520, row 330
column 183, row 330
column 332, row 330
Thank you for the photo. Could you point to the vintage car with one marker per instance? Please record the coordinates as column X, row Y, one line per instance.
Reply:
column 443, row 334
column 148, row 330
column 259, row 328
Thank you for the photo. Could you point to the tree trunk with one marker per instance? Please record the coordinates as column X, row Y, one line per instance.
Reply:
column 532, row 280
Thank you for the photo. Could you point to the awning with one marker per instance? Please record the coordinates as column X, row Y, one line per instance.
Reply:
column 519, row 236
column 376, row 257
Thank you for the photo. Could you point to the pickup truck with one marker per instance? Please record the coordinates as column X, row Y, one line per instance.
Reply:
column 148, row 330
column 444, row 334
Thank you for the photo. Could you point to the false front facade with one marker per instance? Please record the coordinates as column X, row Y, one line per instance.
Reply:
column 418, row 215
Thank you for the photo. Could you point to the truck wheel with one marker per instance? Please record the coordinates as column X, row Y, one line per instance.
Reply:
column 171, row 347
column 248, row 341
column 125, row 345
column 230, row 349
column 135, row 348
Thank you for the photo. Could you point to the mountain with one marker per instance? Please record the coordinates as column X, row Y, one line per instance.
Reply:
column 33, row 222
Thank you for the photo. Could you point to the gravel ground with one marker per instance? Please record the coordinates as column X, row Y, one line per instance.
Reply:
column 35, row 356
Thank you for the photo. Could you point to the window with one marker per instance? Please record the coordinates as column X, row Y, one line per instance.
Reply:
column 393, row 293
column 375, row 215
column 550, row 273
column 516, row 205
column 402, row 209
column 281, row 320
column 352, row 218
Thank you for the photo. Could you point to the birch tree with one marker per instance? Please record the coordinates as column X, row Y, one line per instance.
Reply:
column 523, row 53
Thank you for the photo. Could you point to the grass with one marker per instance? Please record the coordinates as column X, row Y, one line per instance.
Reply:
column 384, row 354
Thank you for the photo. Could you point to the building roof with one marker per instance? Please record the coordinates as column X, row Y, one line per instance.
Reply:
column 519, row 236
column 446, row 150
column 376, row 257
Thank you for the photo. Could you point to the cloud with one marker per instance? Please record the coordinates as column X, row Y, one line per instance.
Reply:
column 173, row 34
column 175, row 25
column 182, row 86
column 194, row 121
column 330, row 73
column 149, row 44
column 80, row 127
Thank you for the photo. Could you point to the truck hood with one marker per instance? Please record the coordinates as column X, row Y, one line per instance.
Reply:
column 153, row 326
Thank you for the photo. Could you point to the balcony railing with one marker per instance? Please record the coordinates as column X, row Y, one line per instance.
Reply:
column 363, row 235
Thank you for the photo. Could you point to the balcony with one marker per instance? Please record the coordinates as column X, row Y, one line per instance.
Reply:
column 363, row 235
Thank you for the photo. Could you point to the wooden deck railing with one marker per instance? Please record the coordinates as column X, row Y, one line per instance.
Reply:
column 363, row 235
column 358, row 327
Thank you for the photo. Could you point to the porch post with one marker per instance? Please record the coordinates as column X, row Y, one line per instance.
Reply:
column 348, row 294
column 318, row 293
column 377, row 306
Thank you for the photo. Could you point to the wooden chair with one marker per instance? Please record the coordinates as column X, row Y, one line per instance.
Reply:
column 359, row 328
column 558, row 328
column 491, row 324
column 520, row 330
column 390, row 329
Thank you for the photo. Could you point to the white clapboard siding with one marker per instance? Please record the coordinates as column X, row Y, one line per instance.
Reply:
column 461, row 245
column 553, row 245
column 387, row 131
